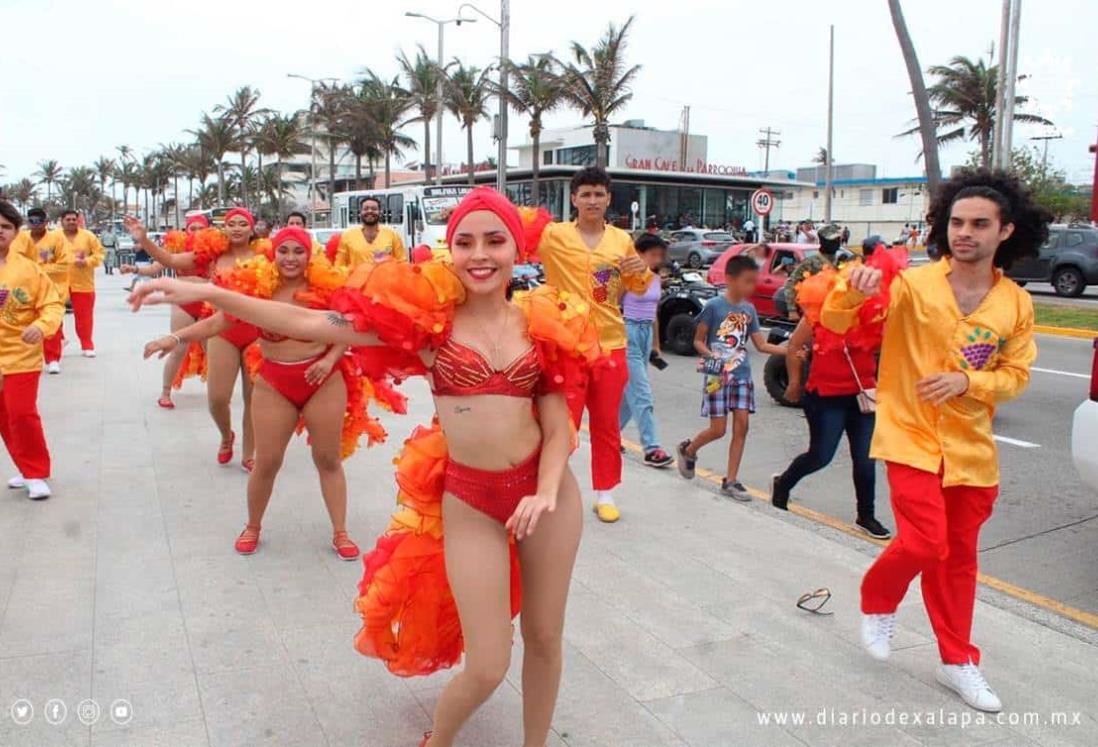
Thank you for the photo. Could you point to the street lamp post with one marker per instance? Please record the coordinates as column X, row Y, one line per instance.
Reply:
column 312, row 146
column 438, row 90
column 504, row 24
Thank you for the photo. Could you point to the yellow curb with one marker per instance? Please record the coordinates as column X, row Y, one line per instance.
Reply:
column 1083, row 334
column 1038, row 600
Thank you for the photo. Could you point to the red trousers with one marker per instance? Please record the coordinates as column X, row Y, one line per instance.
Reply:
column 83, row 309
column 51, row 346
column 21, row 427
column 936, row 533
column 601, row 397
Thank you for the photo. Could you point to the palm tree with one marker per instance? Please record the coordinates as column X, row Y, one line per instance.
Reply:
column 194, row 164
column 534, row 90
column 390, row 105
column 359, row 130
column 421, row 79
column 241, row 111
column 918, row 92
column 467, row 91
column 963, row 104
column 173, row 157
column 215, row 137
column 22, row 192
column 328, row 106
column 598, row 83
column 79, row 189
column 104, row 169
column 128, row 174
column 283, row 137
column 49, row 172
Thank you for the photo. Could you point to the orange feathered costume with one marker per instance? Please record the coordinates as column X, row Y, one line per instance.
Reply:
column 409, row 618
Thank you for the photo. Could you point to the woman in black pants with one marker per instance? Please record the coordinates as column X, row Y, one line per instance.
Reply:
column 839, row 372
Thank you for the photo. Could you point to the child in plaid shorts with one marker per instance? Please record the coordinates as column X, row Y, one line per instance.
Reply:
column 724, row 327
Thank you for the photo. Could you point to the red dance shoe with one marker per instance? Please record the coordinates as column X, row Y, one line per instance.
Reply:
column 426, row 739
column 225, row 453
column 248, row 541
column 166, row 403
column 344, row 547
column 248, row 465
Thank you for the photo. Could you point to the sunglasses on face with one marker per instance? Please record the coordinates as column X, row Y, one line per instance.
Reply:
column 36, row 221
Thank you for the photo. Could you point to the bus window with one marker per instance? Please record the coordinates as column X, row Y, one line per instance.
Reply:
column 396, row 210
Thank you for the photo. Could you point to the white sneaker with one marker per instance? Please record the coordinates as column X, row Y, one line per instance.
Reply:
column 38, row 490
column 877, row 635
column 17, row 483
column 53, row 367
column 89, row 353
column 967, row 681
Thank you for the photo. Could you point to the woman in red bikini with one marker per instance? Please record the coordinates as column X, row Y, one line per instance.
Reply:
column 224, row 353
column 181, row 316
column 298, row 381
column 493, row 469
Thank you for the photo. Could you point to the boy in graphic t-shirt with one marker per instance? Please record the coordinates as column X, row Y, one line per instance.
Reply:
column 724, row 326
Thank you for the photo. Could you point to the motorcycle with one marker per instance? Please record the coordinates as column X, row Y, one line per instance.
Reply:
column 775, row 374
column 684, row 294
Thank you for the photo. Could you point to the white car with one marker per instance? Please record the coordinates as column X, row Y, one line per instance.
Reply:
column 1084, row 431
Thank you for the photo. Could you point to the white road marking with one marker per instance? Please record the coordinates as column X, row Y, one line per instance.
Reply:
column 1059, row 373
column 1016, row 442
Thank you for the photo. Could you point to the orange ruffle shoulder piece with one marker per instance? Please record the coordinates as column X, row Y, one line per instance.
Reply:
column 534, row 220
column 207, row 245
column 409, row 617
column 567, row 340
column 409, row 307
column 867, row 334
column 175, row 241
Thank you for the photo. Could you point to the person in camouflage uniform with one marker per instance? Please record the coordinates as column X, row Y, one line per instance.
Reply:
column 830, row 243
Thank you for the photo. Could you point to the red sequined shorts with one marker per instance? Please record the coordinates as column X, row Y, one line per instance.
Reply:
column 496, row 494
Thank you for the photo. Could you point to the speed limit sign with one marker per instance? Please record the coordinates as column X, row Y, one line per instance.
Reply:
column 762, row 201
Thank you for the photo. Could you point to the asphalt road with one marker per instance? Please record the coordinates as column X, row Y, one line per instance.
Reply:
column 1043, row 535
column 1043, row 293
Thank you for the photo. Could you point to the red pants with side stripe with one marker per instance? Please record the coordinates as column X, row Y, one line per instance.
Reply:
column 601, row 398
column 21, row 427
column 83, row 310
column 937, row 529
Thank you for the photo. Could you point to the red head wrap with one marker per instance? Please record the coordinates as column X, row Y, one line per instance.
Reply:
column 243, row 213
column 200, row 219
column 293, row 233
column 486, row 198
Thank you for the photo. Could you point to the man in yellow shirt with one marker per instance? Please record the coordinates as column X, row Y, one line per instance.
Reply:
column 46, row 249
column 958, row 340
column 371, row 244
column 30, row 311
column 87, row 254
column 598, row 262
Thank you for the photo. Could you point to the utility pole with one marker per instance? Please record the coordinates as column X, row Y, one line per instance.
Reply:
column 830, row 117
column 684, row 138
column 1000, row 88
column 766, row 143
column 1012, row 79
column 1044, row 157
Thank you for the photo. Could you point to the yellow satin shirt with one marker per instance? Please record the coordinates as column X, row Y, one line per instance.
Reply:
column 593, row 274
column 354, row 250
column 51, row 253
column 27, row 296
column 85, row 245
column 926, row 333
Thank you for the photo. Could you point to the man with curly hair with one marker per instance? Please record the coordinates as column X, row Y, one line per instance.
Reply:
column 958, row 340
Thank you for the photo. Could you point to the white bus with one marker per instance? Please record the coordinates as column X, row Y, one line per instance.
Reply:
column 418, row 213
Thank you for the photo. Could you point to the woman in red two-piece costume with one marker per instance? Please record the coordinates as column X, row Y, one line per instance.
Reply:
column 194, row 356
column 493, row 468
column 299, row 384
column 209, row 256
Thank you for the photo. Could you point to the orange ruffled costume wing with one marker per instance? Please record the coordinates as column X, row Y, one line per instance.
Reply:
column 207, row 245
column 867, row 334
column 409, row 618
column 194, row 364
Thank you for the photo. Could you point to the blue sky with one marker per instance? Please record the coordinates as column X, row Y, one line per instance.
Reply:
column 87, row 76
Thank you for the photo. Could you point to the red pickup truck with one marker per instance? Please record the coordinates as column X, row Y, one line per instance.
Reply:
column 775, row 267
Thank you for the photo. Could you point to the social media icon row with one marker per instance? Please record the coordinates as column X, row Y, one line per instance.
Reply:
column 87, row 712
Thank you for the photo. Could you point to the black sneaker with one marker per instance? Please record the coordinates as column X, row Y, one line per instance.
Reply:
column 685, row 463
column 735, row 490
column 873, row 528
column 658, row 458
column 778, row 498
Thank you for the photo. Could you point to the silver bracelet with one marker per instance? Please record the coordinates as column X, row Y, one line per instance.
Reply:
column 177, row 338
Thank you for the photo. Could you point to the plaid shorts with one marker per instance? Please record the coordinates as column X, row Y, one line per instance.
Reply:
column 735, row 395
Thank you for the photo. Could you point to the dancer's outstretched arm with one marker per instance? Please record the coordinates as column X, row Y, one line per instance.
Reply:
column 275, row 316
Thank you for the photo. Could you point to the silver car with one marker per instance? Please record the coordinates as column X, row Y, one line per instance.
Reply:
column 698, row 247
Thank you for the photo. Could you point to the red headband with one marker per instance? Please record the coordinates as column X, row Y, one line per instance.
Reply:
column 486, row 198
column 243, row 213
column 293, row 233
column 200, row 218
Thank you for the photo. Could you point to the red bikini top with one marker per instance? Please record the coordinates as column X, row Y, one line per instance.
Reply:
column 462, row 371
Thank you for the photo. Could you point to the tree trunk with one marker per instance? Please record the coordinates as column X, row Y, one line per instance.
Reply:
column 220, row 183
column 469, row 146
column 358, row 171
column 535, row 182
column 985, row 149
column 243, row 177
column 331, row 176
column 175, row 191
column 259, row 179
column 371, row 172
column 426, row 149
column 388, row 153
column 190, row 191
column 278, row 182
column 922, row 101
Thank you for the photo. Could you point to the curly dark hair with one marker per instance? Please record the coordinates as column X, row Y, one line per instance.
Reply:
column 1015, row 203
